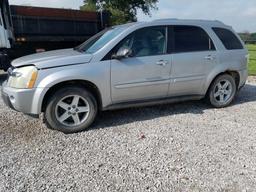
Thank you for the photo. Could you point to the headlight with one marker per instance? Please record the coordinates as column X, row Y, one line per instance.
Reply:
column 23, row 78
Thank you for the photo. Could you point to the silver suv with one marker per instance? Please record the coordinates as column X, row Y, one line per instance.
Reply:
column 129, row 65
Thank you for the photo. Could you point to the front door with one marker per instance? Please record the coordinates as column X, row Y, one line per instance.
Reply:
column 145, row 74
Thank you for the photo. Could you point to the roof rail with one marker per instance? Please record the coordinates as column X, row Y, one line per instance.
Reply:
column 219, row 21
column 167, row 19
column 175, row 19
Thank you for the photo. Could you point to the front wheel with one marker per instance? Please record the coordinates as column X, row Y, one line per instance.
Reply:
column 71, row 110
column 222, row 91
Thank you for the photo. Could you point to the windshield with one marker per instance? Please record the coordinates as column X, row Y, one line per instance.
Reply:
column 99, row 40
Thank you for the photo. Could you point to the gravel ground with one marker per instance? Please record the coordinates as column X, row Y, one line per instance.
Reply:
column 181, row 147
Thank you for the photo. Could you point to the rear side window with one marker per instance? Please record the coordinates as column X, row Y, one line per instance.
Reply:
column 228, row 38
column 191, row 39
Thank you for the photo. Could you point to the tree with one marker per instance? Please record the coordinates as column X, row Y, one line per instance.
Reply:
column 122, row 11
column 90, row 5
column 253, row 36
column 245, row 36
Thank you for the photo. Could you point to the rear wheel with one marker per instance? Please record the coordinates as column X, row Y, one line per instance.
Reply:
column 70, row 110
column 222, row 91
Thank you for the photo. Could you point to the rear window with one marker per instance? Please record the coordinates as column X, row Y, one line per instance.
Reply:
column 190, row 39
column 228, row 38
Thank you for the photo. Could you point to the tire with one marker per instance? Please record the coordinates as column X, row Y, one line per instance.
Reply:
column 70, row 110
column 222, row 91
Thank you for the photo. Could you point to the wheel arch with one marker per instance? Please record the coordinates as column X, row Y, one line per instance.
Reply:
column 91, row 87
column 233, row 73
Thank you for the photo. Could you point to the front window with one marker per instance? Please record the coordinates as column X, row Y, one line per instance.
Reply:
column 99, row 40
column 148, row 41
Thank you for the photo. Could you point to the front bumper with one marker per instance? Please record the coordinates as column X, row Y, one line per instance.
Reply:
column 7, row 100
column 18, row 99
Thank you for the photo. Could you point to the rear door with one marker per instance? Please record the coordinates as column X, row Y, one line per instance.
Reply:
column 146, row 73
column 192, row 51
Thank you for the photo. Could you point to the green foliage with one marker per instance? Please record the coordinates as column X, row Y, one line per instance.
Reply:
column 252, row 62
column 122, row 11
column 90, row 5
column 253, row 36
column 248, row 36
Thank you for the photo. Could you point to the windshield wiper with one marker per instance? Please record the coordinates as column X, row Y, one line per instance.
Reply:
column 78, row 49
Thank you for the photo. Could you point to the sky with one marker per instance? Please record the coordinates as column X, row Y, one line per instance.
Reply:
column 241, row 14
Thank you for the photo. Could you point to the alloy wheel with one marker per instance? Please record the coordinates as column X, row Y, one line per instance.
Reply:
column 223, row 91
column 72, row 110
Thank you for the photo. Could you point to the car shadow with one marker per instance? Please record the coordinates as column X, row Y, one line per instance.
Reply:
column 125, row 116
column 246, row 95
column 109, row 119
column 3, row 77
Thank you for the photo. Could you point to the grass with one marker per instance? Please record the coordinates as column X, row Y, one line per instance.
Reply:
column 252, row 62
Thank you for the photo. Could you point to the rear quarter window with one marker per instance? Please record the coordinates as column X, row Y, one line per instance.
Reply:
column 228, row 38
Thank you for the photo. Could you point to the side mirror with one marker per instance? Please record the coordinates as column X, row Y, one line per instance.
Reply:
column 123, row 52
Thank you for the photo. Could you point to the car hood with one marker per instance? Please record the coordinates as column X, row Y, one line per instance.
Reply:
column 53, row 59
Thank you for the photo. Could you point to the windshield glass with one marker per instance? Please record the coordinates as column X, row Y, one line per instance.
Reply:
column 99, row 40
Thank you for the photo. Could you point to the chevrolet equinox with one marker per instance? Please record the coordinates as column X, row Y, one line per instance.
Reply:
column 135, row 64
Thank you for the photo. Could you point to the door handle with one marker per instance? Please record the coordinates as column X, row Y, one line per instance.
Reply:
column 162, row 63
column 209, row 57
